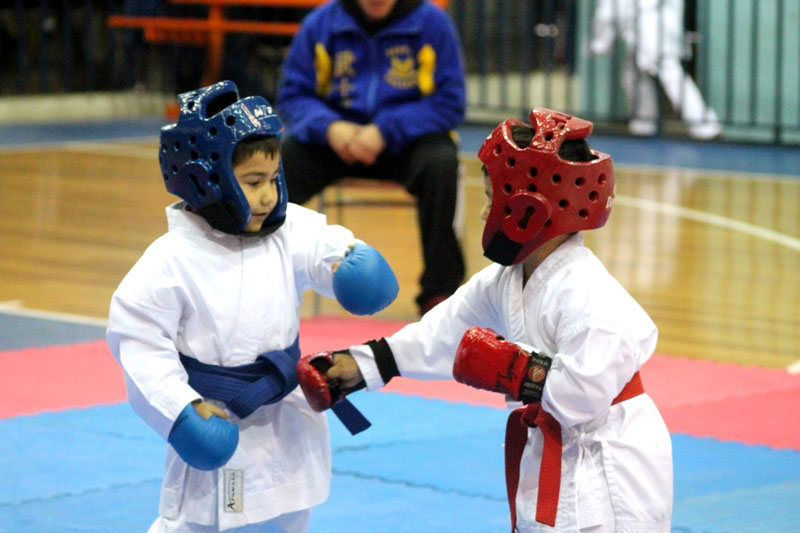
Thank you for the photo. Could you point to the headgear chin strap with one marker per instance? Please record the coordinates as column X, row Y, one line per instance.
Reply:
column 195, row 154
column 537, row 195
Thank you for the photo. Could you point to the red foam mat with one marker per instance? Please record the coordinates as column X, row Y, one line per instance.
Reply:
column 59, row 377
column 745, row 404
column 326, row 333
column 701, row 398
column 770, row 419
column 334, row 333
column 37, row 380
column 679, row 381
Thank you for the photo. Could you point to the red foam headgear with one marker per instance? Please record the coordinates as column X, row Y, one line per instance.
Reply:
column 537, row 195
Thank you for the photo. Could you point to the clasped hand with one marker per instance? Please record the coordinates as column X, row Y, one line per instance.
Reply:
column 355, row 143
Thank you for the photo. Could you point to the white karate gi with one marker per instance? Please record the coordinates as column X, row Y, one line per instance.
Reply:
column 616, row 469
column 653, row 35
column 224, row 300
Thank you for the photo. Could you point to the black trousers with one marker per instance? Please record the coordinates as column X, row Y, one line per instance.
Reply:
column 428, row 170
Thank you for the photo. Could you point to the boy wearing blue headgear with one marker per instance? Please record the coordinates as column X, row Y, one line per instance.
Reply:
column 205, row 325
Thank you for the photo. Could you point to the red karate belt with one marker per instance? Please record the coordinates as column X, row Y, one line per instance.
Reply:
column 532, row 416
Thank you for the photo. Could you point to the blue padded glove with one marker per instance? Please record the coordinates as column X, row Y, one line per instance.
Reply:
column 203, row 444
column 364, row 283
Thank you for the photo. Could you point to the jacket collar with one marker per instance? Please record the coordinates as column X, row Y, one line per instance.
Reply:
column 568, row 251
column 182, row 221
column 397, row 22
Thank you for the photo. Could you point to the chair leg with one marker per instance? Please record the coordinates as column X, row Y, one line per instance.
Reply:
column 461, row 198
column 316, row 306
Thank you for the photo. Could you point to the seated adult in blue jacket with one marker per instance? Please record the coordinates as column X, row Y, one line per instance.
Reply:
column 374, row 88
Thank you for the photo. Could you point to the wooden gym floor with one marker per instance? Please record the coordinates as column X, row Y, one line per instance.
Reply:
column 713, row 257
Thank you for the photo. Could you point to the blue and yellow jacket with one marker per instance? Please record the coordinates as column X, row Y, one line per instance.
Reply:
column 408, row 78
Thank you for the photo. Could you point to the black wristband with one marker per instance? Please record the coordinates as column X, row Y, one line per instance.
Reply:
column 535, row 375
column 384, row 358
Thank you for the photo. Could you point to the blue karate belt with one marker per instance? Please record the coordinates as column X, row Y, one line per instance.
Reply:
column 268, row 380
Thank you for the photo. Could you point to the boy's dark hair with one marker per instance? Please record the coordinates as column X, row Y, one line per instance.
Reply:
column 269, row 145
column 577, row 150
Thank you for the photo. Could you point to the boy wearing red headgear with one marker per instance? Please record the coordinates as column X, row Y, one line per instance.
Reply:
column 588, row 451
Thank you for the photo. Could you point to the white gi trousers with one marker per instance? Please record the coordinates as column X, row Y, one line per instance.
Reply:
column 287, row 523
column 653, row 34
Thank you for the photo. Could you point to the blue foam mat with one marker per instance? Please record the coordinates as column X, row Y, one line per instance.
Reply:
column 773, row 508
column 71, row 131
column 53, row 455
column 29, row 332
column 359, row 505
column 424, row 466
column 709, row 466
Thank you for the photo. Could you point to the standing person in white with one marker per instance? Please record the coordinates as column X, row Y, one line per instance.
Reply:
column 653, row 35
column 589, row 450
column 205, row 325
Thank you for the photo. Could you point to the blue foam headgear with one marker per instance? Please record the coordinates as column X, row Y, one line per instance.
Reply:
column 195, row 154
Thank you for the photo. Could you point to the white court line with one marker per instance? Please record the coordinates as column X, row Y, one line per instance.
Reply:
column 15, row 307
column 720, row 221
column 705, row 173
column 714, row 220
column 788, row 241
column 708, row 173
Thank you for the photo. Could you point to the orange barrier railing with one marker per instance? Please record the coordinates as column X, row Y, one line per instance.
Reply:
column 210, row 32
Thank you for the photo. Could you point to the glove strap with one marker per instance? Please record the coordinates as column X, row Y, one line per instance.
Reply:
column 532, row 385
column 350, row 416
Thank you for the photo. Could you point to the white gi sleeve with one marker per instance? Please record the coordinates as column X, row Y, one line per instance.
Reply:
column 315, row 247
column 425, row 350
column 142, row 338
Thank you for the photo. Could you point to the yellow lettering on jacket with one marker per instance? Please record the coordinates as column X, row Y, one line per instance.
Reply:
column 343, row 64
column 402, row 73
column 322, row 66
column 426, row 58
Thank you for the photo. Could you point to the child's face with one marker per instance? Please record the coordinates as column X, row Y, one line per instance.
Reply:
column 487, row 189
column 376, row 9
column 258, row 178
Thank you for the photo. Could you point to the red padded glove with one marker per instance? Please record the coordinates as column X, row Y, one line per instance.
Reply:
column 485, row 360
column 311, row 377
